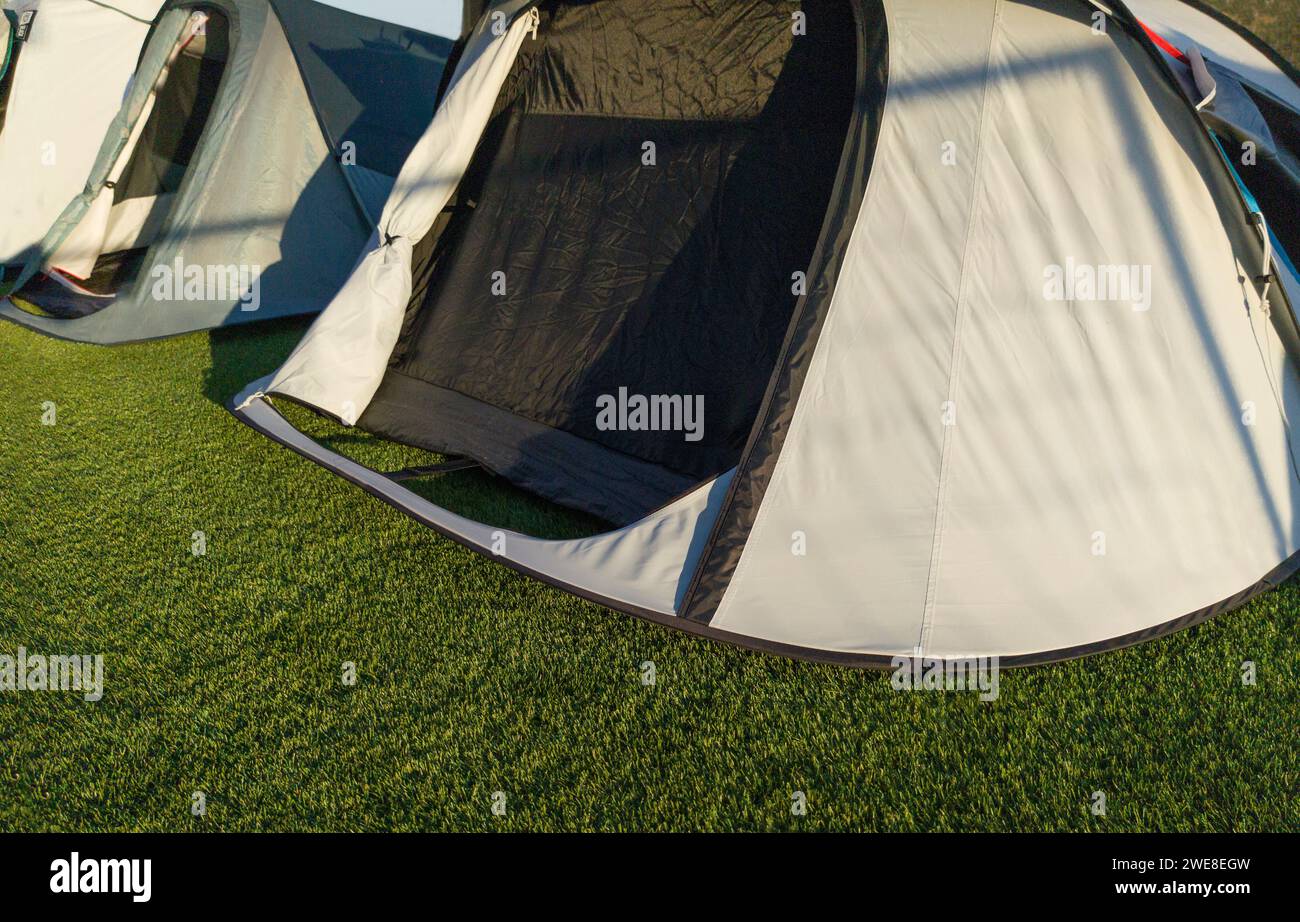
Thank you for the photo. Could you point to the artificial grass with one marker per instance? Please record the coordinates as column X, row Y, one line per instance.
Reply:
column 1275, row 21
column 223, row 672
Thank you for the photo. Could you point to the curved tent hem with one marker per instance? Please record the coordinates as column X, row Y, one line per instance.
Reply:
column 258, row 414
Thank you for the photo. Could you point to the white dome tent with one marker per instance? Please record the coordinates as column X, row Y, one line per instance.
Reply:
column 1033, row 399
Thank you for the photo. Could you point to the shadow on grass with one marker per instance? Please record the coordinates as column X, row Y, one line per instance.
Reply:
column 240, row 355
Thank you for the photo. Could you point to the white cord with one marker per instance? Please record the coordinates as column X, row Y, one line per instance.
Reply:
column 1267, row 274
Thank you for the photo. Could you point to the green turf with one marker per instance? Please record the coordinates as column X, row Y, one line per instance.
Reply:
column 224, row 671
column 1275, row 21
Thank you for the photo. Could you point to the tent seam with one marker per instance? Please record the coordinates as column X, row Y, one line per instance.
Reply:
column 331, row 142
column 954, row 372
column 762, row 513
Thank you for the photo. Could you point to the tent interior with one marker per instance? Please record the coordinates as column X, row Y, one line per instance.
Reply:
column 150, row 171
column 652, row 181
column 1275, row 180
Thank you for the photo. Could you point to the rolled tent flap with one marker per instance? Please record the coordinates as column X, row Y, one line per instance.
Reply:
column 339, row 364
column 79, row 251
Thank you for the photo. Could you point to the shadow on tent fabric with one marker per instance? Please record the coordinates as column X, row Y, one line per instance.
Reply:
column 1245, row 242
column 379, row 112
column 300, row 267
column 702, row 287
column 374, row 84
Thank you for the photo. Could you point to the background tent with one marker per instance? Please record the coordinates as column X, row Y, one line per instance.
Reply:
column 844, row 240
column 64, row 85
column 242, row 176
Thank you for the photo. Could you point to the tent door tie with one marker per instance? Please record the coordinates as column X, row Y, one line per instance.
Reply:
column 447, row 467
column 1201, row 77
column 1266, row 276
column 534, row 21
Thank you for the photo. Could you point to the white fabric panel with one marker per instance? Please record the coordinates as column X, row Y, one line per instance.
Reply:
column 643, row 565
column 1078, row 423
column 860, row 468
column 340, row 362
column 1184, row 26
column 82, row 247
column 70, row 81
column 136, row 222
column 125, row 226
column 1132, row 426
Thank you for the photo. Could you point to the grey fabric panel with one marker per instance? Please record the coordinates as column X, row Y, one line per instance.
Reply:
column 642, row 567
column 294, row 216
column 980, row 469
column 374, row 84
column 372, row 189
column 562, row 467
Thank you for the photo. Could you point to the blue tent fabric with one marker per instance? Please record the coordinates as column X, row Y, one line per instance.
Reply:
column 374, row 84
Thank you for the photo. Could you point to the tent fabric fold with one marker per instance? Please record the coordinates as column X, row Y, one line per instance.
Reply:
column 339, row 364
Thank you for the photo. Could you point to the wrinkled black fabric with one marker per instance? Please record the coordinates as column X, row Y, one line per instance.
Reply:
column 1275, row 180
column 673, row 278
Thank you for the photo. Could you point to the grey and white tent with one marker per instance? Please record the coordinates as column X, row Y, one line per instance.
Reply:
column 241, row 178
column 959, row 327
column 64, row 67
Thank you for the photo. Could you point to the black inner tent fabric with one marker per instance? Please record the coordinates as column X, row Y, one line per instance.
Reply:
column 654, row 176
